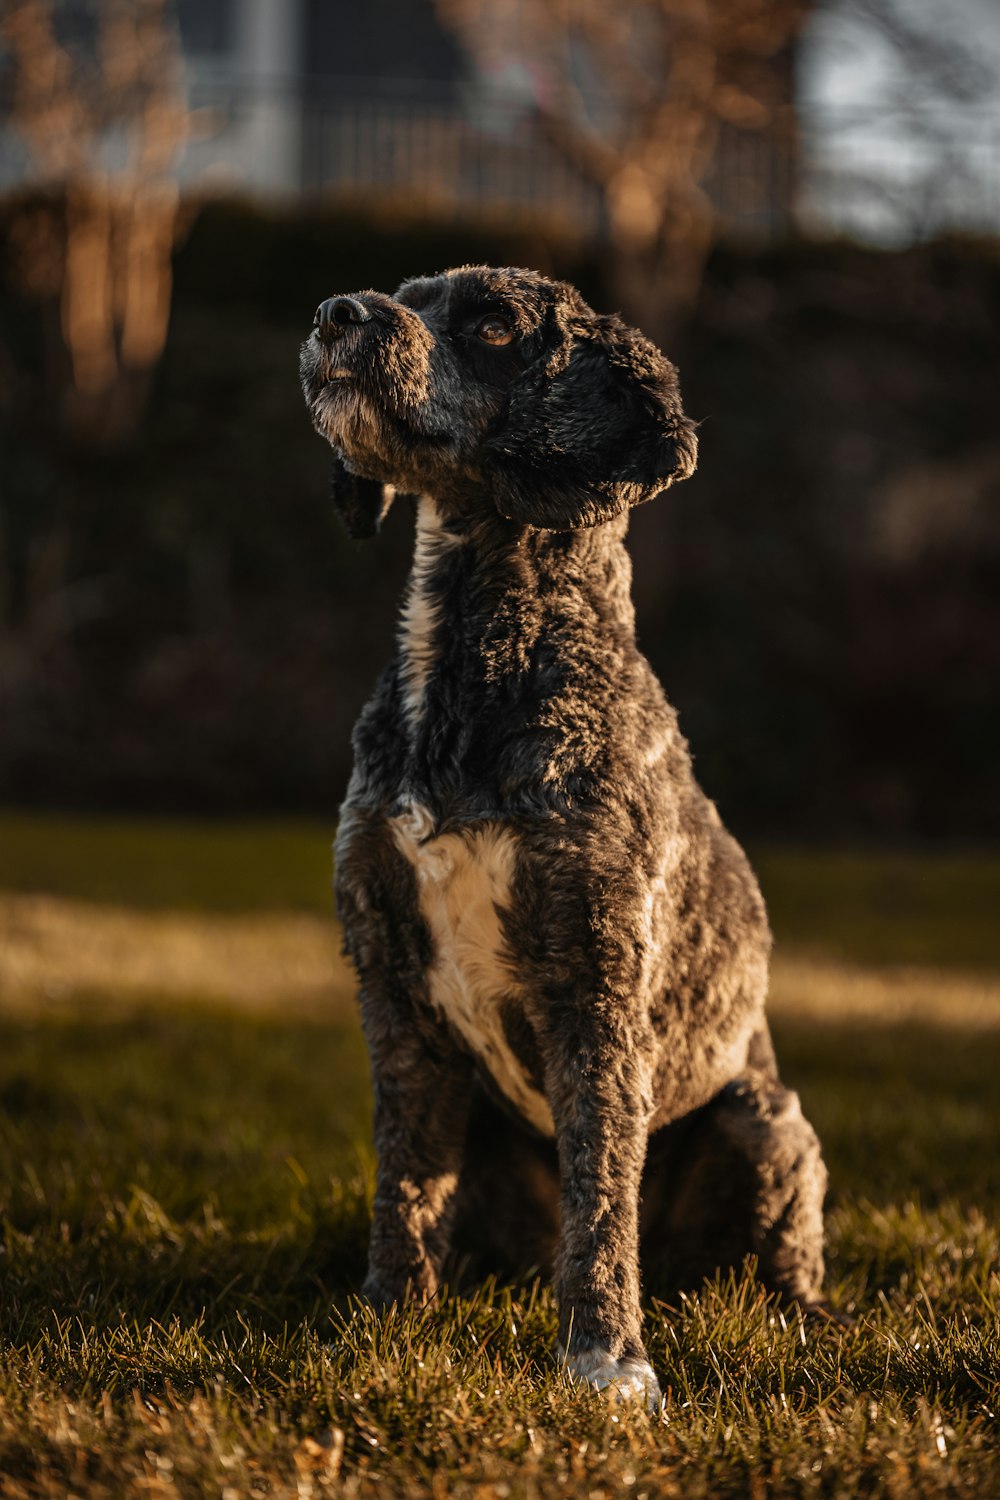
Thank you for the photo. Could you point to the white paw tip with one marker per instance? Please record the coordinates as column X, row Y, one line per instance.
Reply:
column 627, row 1379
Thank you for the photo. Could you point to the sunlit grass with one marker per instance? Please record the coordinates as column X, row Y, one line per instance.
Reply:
column 185, row 1179
column 52, row 949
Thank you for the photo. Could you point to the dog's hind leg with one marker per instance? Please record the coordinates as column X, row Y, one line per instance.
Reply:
column 742, row 1176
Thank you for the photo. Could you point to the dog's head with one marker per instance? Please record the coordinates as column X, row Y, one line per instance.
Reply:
column 493, row 388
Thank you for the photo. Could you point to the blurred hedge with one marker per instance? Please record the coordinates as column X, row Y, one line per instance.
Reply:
column 821, row 599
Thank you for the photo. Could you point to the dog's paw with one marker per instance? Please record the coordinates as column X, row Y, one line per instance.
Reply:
column 627, row 1379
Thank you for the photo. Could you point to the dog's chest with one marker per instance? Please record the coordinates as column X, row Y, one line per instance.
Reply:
column 463, row 881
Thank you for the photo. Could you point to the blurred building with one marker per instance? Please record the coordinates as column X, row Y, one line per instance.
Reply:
column 377, row 101
column 314, row 97
column 307, row 98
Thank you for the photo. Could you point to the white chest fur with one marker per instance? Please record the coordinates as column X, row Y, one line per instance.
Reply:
column 464, row 882
column 420, row 617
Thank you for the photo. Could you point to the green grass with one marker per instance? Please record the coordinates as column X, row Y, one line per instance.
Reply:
column 170, row 863
column 877, row 907
column 184, row 1197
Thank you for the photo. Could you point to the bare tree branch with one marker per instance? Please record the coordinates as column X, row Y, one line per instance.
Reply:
column 111, row 264
column 635, row 94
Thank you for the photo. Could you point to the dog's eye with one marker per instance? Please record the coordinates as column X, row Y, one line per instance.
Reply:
column 495, row 331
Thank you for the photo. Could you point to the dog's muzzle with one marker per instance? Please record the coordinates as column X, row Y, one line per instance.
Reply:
column 338, row 325
column 354, row 340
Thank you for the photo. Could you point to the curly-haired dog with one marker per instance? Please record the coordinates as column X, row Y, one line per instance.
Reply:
column 562, row 954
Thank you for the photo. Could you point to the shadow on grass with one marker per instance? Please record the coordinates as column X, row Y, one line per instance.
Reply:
column 178, row 1162
column 160, row 1161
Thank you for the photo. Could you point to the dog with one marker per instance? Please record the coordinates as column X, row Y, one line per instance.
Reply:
column 562, row 955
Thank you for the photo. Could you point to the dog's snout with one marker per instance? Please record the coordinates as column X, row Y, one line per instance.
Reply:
column 338, row 313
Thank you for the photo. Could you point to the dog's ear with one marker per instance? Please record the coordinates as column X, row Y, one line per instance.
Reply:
column 362, row 504
column 593, row 426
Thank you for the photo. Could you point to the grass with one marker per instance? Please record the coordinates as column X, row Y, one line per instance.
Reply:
column 155, row 864
column 186, row 1176
column 873, row 907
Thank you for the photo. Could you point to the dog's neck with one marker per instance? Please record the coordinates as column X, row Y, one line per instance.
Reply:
column 491, row 600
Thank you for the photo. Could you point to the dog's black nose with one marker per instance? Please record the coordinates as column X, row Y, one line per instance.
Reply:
column 339, row 312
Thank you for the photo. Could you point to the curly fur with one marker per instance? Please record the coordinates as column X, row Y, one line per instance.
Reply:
column 562, row 954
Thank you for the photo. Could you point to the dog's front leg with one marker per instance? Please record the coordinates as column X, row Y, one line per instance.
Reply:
column 598, row 1089
column 421, row 1104
column 421, row 1079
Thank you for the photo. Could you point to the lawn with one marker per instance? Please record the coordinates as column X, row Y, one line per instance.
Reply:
column 185, row 1173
